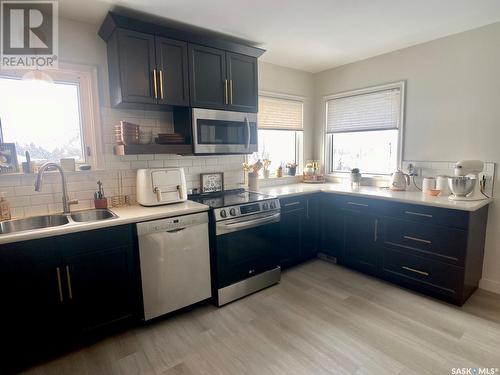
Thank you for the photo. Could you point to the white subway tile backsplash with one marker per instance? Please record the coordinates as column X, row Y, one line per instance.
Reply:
column 155, row 163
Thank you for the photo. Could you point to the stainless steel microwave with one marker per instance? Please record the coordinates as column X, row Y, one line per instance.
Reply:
column 224, row 132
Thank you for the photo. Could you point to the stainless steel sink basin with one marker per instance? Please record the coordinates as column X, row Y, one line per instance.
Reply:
column 47, row 221
column 30, row 223
column 92, row 215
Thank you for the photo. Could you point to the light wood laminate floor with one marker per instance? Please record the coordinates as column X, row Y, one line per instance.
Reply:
column 321, row 319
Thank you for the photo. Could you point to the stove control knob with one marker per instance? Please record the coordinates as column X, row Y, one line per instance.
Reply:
column 265, row 206
column 273, row 205
column 223, row 213
column 232, row 212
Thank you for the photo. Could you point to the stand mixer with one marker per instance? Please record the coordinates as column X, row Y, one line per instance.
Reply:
column 466, row 186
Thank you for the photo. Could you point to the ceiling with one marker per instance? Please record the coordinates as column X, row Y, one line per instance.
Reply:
column 312, row 35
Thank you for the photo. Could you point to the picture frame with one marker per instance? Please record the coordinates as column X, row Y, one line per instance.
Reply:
column 211, row 182
column 8, row 158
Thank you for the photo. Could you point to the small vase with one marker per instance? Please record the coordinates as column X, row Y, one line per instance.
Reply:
column 292, row 171
column 355, row 180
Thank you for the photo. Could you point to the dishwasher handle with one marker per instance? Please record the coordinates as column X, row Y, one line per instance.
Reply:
column 172, row 225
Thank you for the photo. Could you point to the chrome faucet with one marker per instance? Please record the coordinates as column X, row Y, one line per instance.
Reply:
column 39, row 181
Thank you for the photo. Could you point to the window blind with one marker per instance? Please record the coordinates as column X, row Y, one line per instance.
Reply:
column 280, row 114
column 375, row 110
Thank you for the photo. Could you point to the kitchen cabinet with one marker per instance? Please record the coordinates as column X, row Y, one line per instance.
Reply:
column 101, row 285
column 172, row 65
column 331, row 223
column 58, row 288
column 32, row 315
column 222, row 80
column 161, row 67
column 432, row 250
column 146, row 71
column 298, row 230
column 360, row 241
column 242, row 76
column 208, row 82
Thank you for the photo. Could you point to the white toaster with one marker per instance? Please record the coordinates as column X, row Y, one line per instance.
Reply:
column 161, row 186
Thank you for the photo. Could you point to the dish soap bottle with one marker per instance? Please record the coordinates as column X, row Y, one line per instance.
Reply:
column 4, row 208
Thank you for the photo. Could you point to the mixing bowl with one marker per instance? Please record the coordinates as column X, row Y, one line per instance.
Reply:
column 461, row 185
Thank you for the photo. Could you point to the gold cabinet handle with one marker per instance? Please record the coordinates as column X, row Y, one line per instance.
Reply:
column 225, row 92
column 417, row 239
column 415, row 271
column 161, row 85
column 155, row 84
column 231, row 91
column 68, row 277
column 357, row 204
column 417, row 214
column 59, row 284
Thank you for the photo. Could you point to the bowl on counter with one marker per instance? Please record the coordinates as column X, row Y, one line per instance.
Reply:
column 461, row 185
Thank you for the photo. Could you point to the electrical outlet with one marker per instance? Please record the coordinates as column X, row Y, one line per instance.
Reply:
column 413, row 171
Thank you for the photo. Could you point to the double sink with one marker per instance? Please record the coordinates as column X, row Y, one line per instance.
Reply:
column 56, row 220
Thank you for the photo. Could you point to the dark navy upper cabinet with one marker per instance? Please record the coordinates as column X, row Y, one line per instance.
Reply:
column 145, row 70
column 209, row 86
column 222, row 80
column 159, row 66
column 172, row 65
column 131, row 59
column 242, row 77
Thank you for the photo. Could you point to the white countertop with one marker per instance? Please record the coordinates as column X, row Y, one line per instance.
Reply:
column 126, row 215
column 412, row 197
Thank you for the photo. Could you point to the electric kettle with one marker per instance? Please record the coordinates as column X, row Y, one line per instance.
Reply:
column 399, row 181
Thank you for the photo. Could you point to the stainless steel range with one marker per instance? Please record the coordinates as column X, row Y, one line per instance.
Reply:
column 244, row 255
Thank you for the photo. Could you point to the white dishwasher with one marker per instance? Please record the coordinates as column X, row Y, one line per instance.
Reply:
column 175, row 263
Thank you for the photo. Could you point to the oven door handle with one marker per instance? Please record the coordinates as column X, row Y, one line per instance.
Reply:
column 247, row 146
column 223, row 228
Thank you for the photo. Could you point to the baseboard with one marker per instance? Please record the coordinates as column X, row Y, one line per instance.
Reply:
column 490, row 285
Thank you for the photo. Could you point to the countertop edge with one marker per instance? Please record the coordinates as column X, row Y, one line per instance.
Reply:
column 82, row 227
column 323, row 189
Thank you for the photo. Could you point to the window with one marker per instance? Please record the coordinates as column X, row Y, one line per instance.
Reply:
column 280, row 122
column 364, row 130
column 51, row 120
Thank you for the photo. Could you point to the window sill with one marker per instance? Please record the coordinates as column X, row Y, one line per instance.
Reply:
column 366, row 180
column 275, row 178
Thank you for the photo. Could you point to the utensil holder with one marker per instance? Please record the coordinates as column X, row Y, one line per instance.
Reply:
column 101, row 203
column 253, row 181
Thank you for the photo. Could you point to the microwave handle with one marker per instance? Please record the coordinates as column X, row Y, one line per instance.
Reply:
column 248, row 132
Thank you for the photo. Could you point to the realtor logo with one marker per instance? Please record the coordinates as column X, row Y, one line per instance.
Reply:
column 29, row 34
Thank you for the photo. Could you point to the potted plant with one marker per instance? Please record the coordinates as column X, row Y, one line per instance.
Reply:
column 355, row 178
column 291, row 169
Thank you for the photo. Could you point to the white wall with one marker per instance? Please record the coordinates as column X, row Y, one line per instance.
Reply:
column 452, row 107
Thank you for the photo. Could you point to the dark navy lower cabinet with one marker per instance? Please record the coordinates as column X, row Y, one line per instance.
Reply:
column 298, row 229
column 435, row 251
column 55, row 290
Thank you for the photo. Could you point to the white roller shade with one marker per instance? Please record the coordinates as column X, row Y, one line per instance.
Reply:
column 376, row 110
column 280, row 114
